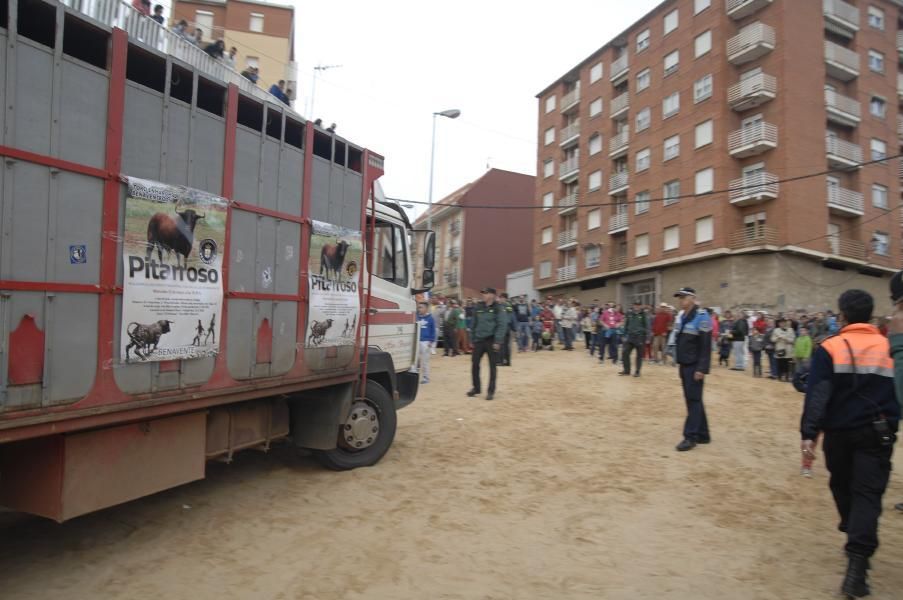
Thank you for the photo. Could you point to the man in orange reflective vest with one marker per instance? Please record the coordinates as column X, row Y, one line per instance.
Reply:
column 850, row 397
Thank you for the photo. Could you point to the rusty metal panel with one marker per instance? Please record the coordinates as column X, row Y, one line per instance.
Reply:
column 13, row 309
column 32, row 475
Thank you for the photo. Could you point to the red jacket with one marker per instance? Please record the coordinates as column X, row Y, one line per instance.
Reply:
column 661, row 323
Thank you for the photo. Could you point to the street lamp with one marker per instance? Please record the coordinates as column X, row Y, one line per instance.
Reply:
column 452, row 113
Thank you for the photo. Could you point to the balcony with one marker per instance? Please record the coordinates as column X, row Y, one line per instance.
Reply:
column 616, row 263
column 566, row 273
column 618, row 183
column 753, row 41
column 840, row 18
column 619, row 105
column 451, row 278
column 454, row 227
column 454, row 253
column 900, row 86
column 570, row 134
column 900, row 128
column 619, row 69
column 841, row 109
column 567, row 239
column 568, row 204
column 845, row 203
column 618, row 145
column 570, row 101
column 739, row 9
column 900, row 44
column 752, row 140
column 568, row 169
column 617, row 223
column 842, row 154
column 752, row 92
column 847, row 248
column 753, row 236
column 841, row 63
column 753, row 189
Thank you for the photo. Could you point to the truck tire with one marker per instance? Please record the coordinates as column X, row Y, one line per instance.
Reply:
column 367, row 433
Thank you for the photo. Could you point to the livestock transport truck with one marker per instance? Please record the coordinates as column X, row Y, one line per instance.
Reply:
column 187, row 268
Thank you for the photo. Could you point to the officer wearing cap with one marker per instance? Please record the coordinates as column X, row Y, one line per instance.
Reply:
column 693, row 355
column 895, row 336
column 490, row 324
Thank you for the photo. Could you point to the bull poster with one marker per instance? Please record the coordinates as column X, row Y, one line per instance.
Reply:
column 172, row 260
column 334, row 278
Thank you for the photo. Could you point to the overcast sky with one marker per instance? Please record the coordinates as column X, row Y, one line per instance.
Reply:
column 402, row 60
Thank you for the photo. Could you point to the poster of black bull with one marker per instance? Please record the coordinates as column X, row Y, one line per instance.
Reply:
column 334, row 274
column 172, row 258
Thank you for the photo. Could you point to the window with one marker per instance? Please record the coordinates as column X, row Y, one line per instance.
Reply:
column 592, row 254
column 642, row 40
column 878, row 107
column 876, row 18
column 705, row 181
column 642, row 159
column 700, row 5
column 546, row 235
column 671, row 62
column 548, row 200
column 595, row 144
column 642, row 203
column 704, row 134
column 671, row 21
column 672, row 147
column 550, row 104
column 547, row 168
column 390, row 261
column 705, row 230
column 671, row 105
column 643, row 78
column 256, row 24
column 595, row 73
column 643, row 119
column 545, row 269
column 880, row 243
column 672, row 237
column 549, row 136
column 671, row 192
column 642, row 245
column 879, row 196
column 702, row 44
column 879, row 149
column 702, row 88
column 595, row 181
column 203, row 19
column 253, row 61
column 595, row 107
column 594, row 218
column 876, row 61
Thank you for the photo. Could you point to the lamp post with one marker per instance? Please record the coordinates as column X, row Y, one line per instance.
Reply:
column 452, row 113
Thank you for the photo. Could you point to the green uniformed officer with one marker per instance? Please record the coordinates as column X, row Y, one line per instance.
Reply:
column 490, row 323
column 505, row 354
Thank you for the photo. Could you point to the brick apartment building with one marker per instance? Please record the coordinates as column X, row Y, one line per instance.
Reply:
column 478, row 247
column 262, row 32
column 664, row 156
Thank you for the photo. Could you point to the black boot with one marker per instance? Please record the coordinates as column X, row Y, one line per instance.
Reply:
column 854, row 583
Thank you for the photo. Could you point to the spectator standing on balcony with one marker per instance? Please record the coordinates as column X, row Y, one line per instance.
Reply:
column 229, row 59
column 158, row 14
column 198, row 39
column 278, row 90
column 216, row 49
column 142, row 6
column 288, row 96
column 251, row 74
column 181, row 29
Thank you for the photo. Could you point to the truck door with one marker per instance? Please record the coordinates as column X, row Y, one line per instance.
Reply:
column 392, row 309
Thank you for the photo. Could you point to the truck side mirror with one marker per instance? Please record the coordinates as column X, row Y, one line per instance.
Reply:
column 429, row 279
column 429, row 253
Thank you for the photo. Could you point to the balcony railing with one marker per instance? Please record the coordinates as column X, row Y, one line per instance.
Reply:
column 620, row 67
column 840, row 17
column 619, row 104
column 570, row 99
column 752, row 140
column 566, row 273
column 753, row 188
column 617, row 222
column 570, row 132
column 842, row 109
column 568, row 203
column 753, row 236
column 841, row 62
column 616, row 263
column 848, row 248
column 900, row 42
column 900, row 126
column 454, row 227
column 617, row 181
column 842, row 153
column 900, row 85
column 567, row 238
column 752, row 42
column 619, row 142
column 738, row 9
column 568, row 167
column 454, row 253
column 752, row 91
column 845, row 202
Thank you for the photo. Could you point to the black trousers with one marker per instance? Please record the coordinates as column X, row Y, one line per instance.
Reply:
column 696, row 427
column 506, row 349
column 860, row 468
column 450, row 340
column 630, row 346
column 481, row 347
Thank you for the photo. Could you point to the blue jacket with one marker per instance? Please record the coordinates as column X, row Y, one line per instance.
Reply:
column 694, row 339
column 427, row 328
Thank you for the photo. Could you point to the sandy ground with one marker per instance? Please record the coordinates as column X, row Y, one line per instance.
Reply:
column 566, row 486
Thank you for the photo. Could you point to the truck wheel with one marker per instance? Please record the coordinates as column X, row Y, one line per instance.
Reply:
column 367, row 433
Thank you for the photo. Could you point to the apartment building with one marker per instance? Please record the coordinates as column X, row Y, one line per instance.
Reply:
column 719, row 144
column 478, row 246
column 262, row 32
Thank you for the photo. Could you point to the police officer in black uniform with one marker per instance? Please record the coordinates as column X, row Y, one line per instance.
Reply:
column 693, row 356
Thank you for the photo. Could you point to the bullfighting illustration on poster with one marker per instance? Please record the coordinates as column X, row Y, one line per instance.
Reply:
column 334, row 278
column 172, row 260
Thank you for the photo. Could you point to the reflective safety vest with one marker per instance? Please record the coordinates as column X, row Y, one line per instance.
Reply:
column 870, row 352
